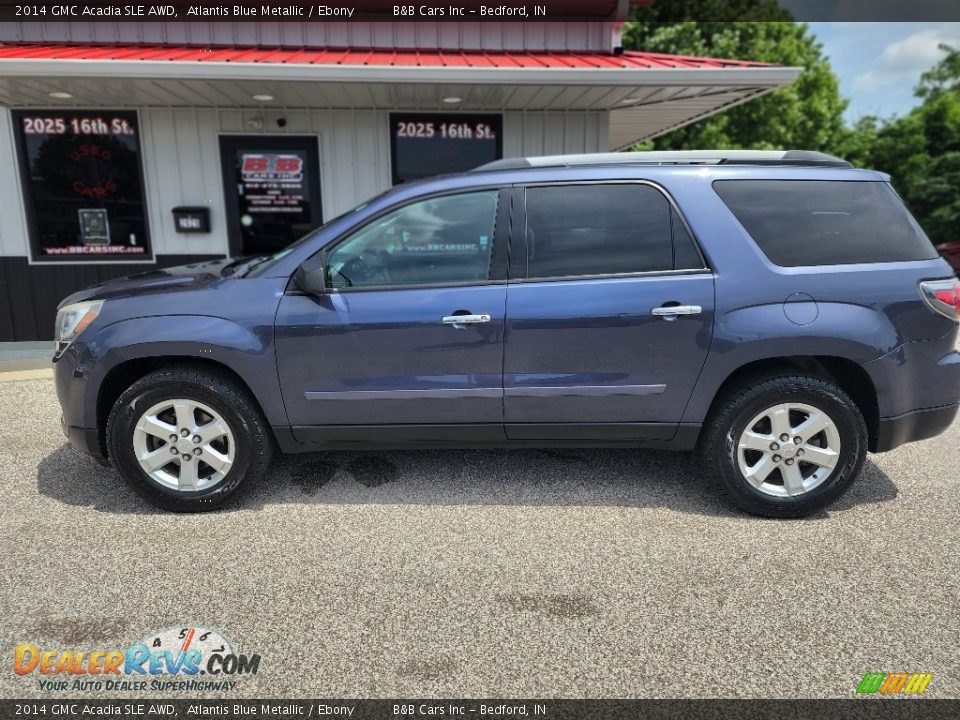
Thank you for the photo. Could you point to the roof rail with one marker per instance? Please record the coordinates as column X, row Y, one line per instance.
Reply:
column 808, row 158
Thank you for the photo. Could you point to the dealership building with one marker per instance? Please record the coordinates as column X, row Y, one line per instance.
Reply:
column 126, row 146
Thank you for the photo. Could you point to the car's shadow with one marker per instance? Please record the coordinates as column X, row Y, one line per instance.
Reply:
column 574, row 477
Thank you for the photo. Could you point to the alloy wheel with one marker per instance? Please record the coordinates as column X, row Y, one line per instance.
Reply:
column 788, row 449
column 184, row 445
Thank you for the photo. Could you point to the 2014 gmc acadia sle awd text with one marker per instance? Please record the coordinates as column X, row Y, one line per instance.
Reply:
column 781, row 313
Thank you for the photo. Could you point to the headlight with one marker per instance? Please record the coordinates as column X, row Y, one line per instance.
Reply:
column 73, row 320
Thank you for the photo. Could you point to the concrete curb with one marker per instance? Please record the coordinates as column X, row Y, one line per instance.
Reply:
column 16, row 375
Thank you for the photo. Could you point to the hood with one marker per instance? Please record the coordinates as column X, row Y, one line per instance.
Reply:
column 174, row 279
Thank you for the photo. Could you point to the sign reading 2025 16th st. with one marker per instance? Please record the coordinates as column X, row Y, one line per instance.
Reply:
column 188, row 659
column 426, row 144
column 83, row 184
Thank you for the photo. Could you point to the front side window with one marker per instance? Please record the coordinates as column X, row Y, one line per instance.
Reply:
column 581, row 230
column 442, row 240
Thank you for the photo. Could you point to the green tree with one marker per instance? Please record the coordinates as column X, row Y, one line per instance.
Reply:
column 943, row 77
column 807, row 114
column 921, row 150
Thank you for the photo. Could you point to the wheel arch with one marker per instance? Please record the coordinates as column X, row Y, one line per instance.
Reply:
column 123, row 375
column 847, row 374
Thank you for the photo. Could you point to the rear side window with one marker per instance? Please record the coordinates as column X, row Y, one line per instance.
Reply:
column 577, row 230
column 825, row 222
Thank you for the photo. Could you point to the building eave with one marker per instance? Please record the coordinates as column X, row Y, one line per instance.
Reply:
column 268, row 72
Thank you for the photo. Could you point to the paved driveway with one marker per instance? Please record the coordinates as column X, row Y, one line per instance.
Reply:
column 489, row 573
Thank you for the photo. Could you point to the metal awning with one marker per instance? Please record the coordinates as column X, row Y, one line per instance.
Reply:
column 647, row 94
column 361, row 57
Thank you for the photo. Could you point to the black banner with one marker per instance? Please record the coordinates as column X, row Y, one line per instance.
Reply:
column 490, row 709
column 476, row 10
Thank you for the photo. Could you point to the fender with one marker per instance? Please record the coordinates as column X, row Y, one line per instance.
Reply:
column 763, row 332
column 226, row 342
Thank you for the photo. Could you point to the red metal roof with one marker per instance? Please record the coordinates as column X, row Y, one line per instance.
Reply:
column 358, row 57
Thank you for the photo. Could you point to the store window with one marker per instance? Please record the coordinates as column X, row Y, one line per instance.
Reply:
column 83, row 185
column 423, row 145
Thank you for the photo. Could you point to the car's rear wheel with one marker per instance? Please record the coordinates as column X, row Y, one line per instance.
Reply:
column 785, row 445
column 187, row 440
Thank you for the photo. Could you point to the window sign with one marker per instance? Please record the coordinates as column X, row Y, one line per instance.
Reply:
column 83, row 184
column 423, row 145
column 94, row 227
column 273, row 182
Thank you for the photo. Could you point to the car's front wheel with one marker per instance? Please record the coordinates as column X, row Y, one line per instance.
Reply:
column 785, row 445
column 187, row 440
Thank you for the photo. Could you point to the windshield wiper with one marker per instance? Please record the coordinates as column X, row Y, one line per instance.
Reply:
column 240, row 265
column 255, row 263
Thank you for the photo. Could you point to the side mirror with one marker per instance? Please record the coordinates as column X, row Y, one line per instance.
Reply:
column 310, row 277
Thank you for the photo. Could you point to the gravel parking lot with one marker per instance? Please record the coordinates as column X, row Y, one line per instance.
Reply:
column 489, row 573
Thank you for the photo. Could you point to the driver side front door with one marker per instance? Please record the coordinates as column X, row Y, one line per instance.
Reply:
column 407, row 344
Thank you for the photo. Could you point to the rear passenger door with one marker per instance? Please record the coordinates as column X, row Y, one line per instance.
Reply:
column 609, row 314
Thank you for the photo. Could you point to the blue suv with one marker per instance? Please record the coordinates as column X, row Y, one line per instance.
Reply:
column 781, row 313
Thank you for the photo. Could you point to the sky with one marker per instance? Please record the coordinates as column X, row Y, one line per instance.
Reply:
column 880, row 63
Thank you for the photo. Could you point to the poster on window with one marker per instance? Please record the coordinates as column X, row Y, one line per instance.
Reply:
column 428, row 144
column 273, row 182
column 83, row 184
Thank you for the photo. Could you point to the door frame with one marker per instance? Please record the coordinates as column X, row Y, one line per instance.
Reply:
column 228, row 145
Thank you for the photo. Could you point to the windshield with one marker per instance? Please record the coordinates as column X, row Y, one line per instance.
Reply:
column 253, row 267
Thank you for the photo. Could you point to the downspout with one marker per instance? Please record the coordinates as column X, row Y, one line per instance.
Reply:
column 622, row 15
column 616, row 28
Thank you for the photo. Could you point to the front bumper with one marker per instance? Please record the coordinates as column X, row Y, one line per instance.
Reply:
column 77, row 401
column 912, row 426
column 85, row 440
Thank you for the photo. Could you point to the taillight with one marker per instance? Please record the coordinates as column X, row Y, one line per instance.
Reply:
column 943, row 296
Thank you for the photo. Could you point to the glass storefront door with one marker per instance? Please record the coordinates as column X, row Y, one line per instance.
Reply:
column 272, row 187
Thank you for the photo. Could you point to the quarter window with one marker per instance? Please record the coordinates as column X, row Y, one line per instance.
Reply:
column 575, row 230
column 442, row 240
column 825, row 222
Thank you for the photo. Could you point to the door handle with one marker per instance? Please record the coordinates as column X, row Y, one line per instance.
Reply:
column 460, row 320
column 670, row 311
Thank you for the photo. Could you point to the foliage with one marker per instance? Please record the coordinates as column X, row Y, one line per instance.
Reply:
column 807, row 114
column 921, row 150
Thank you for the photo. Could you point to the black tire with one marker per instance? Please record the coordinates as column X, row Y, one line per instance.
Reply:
column 253, row 445
column 738, row 406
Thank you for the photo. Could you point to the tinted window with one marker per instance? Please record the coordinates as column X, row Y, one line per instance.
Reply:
column 597, row 230
column 441, row 240
column 685, row 254
column 824, row 222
